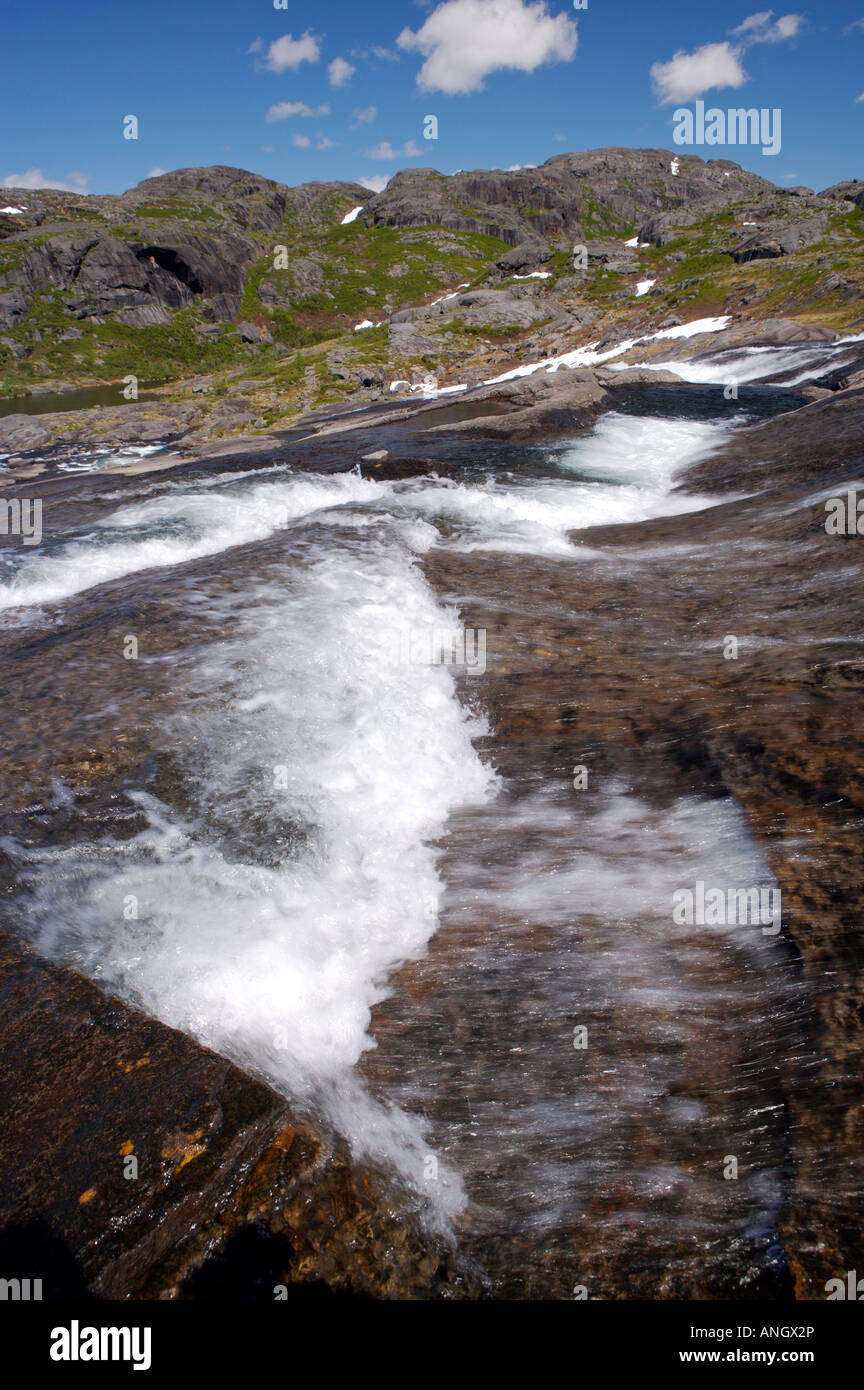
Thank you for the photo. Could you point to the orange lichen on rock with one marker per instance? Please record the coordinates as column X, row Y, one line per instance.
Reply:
column 181, row 1148
column 132, row 1066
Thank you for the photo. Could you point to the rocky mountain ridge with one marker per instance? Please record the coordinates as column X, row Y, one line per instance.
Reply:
column 193, row 278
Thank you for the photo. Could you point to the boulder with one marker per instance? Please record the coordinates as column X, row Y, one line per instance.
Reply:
column 776, row 240
column 535, row 407
column 222, row 308
column 247, row 332
column 13, row 308
column 611, row 255
column 17, row 350
column 526, row 257
column 19, row 432
column 667, row 226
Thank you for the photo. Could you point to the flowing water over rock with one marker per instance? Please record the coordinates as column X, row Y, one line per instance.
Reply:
column 313, row 826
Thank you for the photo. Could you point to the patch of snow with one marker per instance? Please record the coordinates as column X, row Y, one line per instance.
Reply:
column 690, row 330
column 352, row 215
column 535, row 275
column 453, row 295
column 367, row 323
column 13, row 210
column 674, row 166
column 429, row 388
column 590, row 357
column 644, row 286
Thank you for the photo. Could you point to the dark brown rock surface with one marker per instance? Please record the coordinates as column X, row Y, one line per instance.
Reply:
column 88, row 1084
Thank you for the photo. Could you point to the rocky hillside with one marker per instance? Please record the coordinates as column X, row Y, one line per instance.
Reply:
column 191, row 278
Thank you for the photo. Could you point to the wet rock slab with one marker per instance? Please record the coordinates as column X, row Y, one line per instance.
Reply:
column 619, row 665
column 136, row 1164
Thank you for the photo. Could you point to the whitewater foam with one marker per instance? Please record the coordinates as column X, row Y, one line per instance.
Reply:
column 180, row 524
column 171, row 530
column 267, row 923
column 737, row 366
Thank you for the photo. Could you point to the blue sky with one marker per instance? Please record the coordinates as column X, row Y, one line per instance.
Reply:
column 340, row 90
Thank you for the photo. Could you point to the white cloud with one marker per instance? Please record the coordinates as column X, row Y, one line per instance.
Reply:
column 283, row 110
column 301, row 141
column 156, row 171
column 384, row 150
column 34, row 178
column 289, row 52
column 465, row 40
column 325, row 143
column 340, row 72
column 861, row 98
column 375, row 182
column 365, row 114
column 688, row 75
column 753, row 21
column 256, row 46
column 559, row 137
column 757, row 28
column 856, row 24
column 514, row 168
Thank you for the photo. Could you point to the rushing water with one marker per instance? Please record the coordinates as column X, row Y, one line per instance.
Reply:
column 337, row 808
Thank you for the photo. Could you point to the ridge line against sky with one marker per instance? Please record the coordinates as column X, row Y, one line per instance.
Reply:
column 298, row 92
